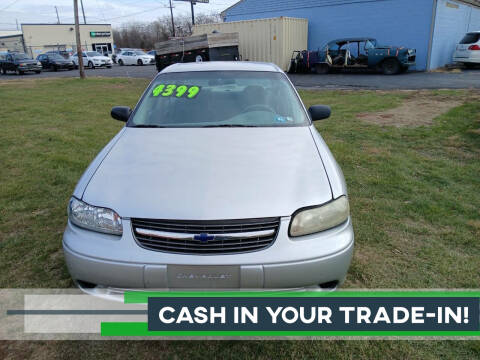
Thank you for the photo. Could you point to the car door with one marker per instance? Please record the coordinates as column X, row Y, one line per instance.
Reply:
column 129, row 58
column 44, row 60
column 10, row 63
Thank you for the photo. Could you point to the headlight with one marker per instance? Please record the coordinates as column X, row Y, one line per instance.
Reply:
column 320, row 218
column 94, row 218
column 39, row 63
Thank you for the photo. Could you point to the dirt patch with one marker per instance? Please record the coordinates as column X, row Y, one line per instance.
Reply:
column 415, row 111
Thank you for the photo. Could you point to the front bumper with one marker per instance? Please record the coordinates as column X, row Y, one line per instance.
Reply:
column 111, row 261
column 30, row 68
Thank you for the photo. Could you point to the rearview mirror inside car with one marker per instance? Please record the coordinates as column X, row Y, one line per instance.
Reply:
column 121, row 113
column 319, row 112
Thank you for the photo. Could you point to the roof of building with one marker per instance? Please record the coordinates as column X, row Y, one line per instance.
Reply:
column 55, row 24
column 10, row 33
column 224, row 12
column 222, row 66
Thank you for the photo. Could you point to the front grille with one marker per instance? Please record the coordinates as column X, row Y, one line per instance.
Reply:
column 206, row 237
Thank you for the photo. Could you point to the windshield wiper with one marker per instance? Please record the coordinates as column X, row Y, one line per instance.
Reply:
column 147, row 126
column 227, row 125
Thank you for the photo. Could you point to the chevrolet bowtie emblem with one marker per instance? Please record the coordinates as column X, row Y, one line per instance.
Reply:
column 204, row 237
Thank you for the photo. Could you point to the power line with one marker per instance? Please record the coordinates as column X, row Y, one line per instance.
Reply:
column 12, row 3
column 138, row 13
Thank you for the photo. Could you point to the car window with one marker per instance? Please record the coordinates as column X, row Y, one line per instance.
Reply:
column 140, row 53
column 220, row 98
column 369, row 45
column 470, row 38
column 93, row 53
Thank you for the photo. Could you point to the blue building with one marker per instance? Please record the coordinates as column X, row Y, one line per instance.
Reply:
column 433, row 27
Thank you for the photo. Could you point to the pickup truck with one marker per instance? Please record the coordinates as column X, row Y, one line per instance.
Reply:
column 19, row 63
column 354, row 53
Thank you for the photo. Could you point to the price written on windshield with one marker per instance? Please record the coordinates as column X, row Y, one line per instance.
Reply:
column 178, row 91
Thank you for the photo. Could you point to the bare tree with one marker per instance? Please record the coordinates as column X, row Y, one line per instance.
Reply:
column 145, row 35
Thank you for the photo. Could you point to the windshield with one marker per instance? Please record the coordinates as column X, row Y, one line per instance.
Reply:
column 140, row 53
column 471, row 38
column 21, row 57
column 93, row 53
column 219, row 98
column 56, row 57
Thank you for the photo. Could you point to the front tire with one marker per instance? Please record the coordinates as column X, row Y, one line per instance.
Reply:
column 4, row 71
column 90, row 65
column 140, row 62
column 120, row 62
column 391, row 67
column 55, row 68
column 38, row 71
column 469, row 65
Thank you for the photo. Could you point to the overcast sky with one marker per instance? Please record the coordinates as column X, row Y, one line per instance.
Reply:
column 115, row 12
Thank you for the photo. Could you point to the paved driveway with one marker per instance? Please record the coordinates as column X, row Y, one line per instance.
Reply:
column 410, row 81
column 416, row 80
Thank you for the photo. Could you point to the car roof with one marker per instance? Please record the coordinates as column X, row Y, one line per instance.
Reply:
column 222, row 66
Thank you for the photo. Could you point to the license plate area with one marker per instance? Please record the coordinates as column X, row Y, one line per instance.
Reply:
column 207, row 277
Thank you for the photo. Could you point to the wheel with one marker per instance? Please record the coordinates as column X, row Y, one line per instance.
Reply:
column 55, row 68
column 38, row 71
column 109, row 66
column 4, row 71
column 322, row 69
column 90, row 65
column 120, row 62
column 19, row 72
column 391, row 67
column 140, row 62
column 469, row 65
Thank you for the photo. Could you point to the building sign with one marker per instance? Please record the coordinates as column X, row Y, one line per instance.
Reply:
column 453, row 6
column 95, row 34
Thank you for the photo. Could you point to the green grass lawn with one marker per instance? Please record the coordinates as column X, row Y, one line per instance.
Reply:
column 414, row 195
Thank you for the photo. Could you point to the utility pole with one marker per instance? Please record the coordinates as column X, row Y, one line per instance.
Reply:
column 16, row 20
column 171, row 15
column 193, row 16
column 58, row 18
column 77, row 38
column 83, row 12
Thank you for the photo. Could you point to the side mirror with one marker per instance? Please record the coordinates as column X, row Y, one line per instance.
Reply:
column 319, row 112
column 121, row 113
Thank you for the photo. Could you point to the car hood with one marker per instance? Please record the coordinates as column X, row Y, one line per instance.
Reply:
column 101, row 58
column 210, row 173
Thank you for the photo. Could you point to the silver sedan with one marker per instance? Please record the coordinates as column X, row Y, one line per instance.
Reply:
column 218, row 180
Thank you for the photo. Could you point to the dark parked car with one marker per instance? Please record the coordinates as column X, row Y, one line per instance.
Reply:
column 354, row 53
column 55, row 62
column 20, row 63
